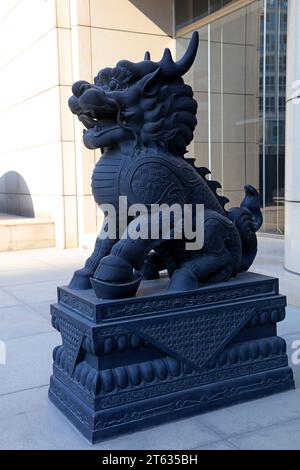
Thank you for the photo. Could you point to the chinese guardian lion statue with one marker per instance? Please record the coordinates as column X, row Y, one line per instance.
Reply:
column 142, row 116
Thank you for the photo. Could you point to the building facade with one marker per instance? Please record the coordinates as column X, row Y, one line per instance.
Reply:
column 45, row 170
column 239, row 79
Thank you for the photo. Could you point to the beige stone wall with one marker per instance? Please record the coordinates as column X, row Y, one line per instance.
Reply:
column 45, row 47
column 103, row 32
column 36, row 135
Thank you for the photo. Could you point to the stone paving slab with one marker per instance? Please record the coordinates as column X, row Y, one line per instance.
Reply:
column 31, row 422
column 28, row 276
column 28, row 362
column 180, row 435
column 220, row 445
column 28, row 420
column 291, row 324
column 21, row 320
column 285, row 436
column 8, row 300
column 35, row 292
column 254, row 415
column 20, row 403
column 43, row 309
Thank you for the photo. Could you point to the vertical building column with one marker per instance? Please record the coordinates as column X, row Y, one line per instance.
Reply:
column 100, row 38
column 66, row 220
column 80, row 14
column 292, row 157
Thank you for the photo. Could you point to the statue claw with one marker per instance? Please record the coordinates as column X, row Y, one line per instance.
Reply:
column 80, row 280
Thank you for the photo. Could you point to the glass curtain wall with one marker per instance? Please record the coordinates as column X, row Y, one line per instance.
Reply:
column 239, row 82
column 188, row 11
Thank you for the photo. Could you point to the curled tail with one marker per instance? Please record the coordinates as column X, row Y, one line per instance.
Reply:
column 248, row 220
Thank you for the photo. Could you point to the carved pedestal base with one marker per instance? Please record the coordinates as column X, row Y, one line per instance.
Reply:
column 127, row 364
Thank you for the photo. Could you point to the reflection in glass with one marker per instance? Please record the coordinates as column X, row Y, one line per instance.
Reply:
column 239, row 83
column 273, row 32
column 188, row 11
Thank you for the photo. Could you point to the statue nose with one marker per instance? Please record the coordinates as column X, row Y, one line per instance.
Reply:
column 93, row 96
column 80, row 87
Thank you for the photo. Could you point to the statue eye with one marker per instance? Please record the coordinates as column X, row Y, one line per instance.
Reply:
column 79, row 87
column 83, row 88
column 113, row 84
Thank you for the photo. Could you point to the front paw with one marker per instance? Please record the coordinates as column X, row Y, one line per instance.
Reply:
column 80, row 280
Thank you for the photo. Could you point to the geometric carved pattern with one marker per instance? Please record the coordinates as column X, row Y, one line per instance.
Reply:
column 75, row 303
column 195, row 339
column 183, row 302
column 72, row 337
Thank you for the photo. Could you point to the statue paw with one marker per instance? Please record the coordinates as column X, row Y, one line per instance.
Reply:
column 114, row 278
column 81, row 280
column 183, row 279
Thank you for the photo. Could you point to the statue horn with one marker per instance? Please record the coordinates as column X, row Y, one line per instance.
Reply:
column 185, row 63
column 170, row 69
column 177, row 69
column 167, row 57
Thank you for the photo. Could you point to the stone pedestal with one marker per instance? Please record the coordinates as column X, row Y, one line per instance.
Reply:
column 128, row 364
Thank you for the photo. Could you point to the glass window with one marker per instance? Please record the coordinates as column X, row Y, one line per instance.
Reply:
column 239, row 82
column 188, row 11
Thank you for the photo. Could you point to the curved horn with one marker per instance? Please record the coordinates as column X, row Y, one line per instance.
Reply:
column 185, row 63
column 171, row 68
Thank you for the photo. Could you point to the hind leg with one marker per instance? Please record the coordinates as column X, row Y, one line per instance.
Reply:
column 211, row 267
column 220, row 256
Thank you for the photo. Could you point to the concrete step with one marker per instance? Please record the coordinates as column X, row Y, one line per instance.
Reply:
column 23, row 233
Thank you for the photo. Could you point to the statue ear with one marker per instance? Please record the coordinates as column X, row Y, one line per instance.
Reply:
column 152, row 83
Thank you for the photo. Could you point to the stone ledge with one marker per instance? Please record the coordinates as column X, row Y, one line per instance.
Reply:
column 24, row 233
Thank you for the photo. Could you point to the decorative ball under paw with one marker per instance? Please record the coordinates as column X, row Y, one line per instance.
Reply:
column 114, row 278
column 113, row 268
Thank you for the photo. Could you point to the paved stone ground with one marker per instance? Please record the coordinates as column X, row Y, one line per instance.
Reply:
column 28, row 283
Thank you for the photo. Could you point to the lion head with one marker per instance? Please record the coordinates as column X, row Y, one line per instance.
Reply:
column 147, row 101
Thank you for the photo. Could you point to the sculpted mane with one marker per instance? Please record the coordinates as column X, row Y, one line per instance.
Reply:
column 169, row 114
column 169, row 119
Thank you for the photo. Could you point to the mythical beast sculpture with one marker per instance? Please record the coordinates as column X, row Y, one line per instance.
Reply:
column 142, row 117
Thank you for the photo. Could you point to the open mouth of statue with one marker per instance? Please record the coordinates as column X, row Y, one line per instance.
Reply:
column 99, row 121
